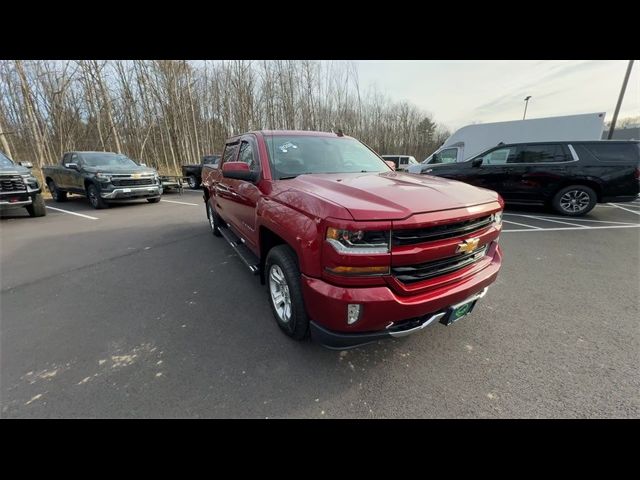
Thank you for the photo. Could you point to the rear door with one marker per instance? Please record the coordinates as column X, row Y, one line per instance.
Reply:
column 537, row 172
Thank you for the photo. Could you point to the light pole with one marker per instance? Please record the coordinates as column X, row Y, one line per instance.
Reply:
column 624, row 87
column 526, row 102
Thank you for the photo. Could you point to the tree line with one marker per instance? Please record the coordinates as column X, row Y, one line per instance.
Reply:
column 170, row 112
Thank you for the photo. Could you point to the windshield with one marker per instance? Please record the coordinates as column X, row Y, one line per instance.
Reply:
column 5, row 161
column 291, row 156
column 111, row 159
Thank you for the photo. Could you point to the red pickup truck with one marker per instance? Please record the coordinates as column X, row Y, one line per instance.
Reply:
column 350, row 250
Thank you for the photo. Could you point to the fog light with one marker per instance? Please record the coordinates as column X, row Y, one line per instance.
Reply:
column 353, row 313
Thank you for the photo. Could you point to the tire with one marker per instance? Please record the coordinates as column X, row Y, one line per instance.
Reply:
column 283, row 281
column 574, row 200
column 37, row 208
column 95, row 199
column 214, row 221
column 193, row 182
column 57, row 195
column 153, row 200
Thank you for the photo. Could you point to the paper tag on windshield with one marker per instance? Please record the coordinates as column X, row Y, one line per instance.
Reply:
column 284, row 148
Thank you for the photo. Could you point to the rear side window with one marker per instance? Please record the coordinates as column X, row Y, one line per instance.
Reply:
column 543, row 154
column 229, row 152
column 615, row 152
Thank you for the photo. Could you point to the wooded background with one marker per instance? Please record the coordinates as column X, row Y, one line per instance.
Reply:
column 171, row 112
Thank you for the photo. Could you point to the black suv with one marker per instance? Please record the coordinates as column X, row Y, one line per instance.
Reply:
column 569, row 176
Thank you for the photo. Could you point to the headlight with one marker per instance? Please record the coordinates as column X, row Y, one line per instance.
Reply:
column 358, row 241
column 103, row 177
column 29, row 179
column 497, row 218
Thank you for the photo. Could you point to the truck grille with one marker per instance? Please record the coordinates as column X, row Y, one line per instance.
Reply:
column 423, row 271
column 13, row 183
column 439, row 232
column 131, row 182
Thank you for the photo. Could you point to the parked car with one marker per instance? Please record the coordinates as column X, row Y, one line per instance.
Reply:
column 571, row 177
column 401, row 162
column 193, row 173
column 102, row 177
column 471, row 140
column 352, row 251
column 19, row 188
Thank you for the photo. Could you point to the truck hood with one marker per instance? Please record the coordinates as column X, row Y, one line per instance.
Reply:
column 118, row 169
column 14, row 170
column 392, row 195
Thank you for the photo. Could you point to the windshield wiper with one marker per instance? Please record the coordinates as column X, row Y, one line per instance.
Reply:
column 288, row 177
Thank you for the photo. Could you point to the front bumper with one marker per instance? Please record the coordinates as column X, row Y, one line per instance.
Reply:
column 9, row 201
column 122, row 193
column 384, row 311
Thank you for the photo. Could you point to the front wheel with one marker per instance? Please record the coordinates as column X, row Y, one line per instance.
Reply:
column 574, row 200
column 37, row 207
column 95, row 199
column 285, row 292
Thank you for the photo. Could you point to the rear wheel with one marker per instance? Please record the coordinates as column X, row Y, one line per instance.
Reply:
column 95, row 199
column 214, row 221
column 57, row 195
column 37, row 208
column 285, row 292
column 574, row 200
column 193, row 182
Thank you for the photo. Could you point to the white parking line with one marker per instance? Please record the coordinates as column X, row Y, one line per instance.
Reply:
column 73, row 213
column 181, row 203
column 521, row 224
column 548, row 220
column 569, row 228
column 625, row 209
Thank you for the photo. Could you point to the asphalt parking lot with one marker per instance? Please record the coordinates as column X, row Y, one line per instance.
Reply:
column 138, row 311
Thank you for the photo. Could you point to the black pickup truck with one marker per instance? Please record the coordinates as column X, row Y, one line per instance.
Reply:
column 19, row 188
column 102, row 177
column 193, row 173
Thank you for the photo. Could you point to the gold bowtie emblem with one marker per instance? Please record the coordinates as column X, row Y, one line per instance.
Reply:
column 468, row 246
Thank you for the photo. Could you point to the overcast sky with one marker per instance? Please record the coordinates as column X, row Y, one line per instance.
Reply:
column 460, row 92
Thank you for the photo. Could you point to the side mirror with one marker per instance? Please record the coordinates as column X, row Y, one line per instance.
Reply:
column 391, row 164
column 72, row 166
column 476, row 162
column 26, row 164
column 238, row 171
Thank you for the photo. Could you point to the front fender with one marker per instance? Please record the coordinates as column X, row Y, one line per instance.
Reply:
column 299, row 230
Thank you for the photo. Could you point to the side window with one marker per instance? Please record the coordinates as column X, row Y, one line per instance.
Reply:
column 404, row 160
column 614, row 152
column 247, row 156
column 229, row 152
column 543, row 154
column 75, row 158
column 66, row 158
column 500, row 156
column 450, row 155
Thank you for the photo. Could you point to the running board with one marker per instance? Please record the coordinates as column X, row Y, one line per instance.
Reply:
column 247, row 256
